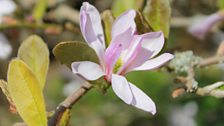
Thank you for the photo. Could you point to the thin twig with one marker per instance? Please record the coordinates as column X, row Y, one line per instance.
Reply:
column 68, row 103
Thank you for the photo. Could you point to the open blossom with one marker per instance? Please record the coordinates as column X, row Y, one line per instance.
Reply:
column 127, row 52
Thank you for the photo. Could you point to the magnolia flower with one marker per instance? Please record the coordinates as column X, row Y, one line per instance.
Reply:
column 127, row 52
column 200, row 28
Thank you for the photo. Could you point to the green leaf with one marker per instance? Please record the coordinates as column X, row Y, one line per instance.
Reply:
column 68, row 52
column 39, row 9
column 120, row 6
column 26, row 93
column 141, row 24
column 107, row 21
column 34, row 52
column 220, row 4
column 157, row 14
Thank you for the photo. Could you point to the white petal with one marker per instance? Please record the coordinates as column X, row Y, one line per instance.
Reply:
column 7, row 7
column 89, row 70
column 5, row 47
column 123, row 23
column 141, row 100
column 155, row 63
column 90, row 24
column 132, row 95
column 153, row 42
column 122, row 88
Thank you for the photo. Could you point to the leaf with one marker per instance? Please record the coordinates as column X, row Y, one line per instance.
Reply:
column 34, row 52
column 107, row 21
column 65, row 117
column 142, row 24
column 4, row 87
column 26, row 93
column 68, row 52
column 220, row 4
column 120, row 6
column 39, row 9
column 157, row 14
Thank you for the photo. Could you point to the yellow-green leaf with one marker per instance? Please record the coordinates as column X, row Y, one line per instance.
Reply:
column 65, row 117
column 220, row 4
column 157, row 13
column 120, row 6
column 39, row 9
column 34, row 52
column 26, row 93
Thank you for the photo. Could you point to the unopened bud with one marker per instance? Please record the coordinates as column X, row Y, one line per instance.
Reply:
column 177, row 92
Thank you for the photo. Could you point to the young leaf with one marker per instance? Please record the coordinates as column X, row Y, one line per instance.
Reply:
column 220, row 4
column 120, row 6
column 34, row 52
column 157, row 13
column 4, row 87
column 39, row 9
column 65, row 117
column 107, row 21
column 68, row 52
column 26, row 93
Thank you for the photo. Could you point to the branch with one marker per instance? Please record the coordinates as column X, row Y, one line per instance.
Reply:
column 68, row 103
column 50, row 28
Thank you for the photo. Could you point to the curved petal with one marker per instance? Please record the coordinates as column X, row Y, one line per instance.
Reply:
column 155, row 63
column 141, row 100
column 142, row 48
column 89, row 70
column 121, row 88
column 132, row 95
column 123, row 23
column 90, row 24
column 153, row 41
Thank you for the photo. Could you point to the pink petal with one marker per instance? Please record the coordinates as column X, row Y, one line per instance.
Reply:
column 155, row 63
column 142, row 48
column 90, row 24
column 89, row 70
column 132, row 95
column 111, row 56
column 202, row 27
column 124, row 23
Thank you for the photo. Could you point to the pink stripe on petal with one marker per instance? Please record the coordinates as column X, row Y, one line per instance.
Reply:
column 132, row 95
column 111, row 56
column 89, row 70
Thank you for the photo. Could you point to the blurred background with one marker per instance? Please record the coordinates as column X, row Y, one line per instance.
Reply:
column 95, row 108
